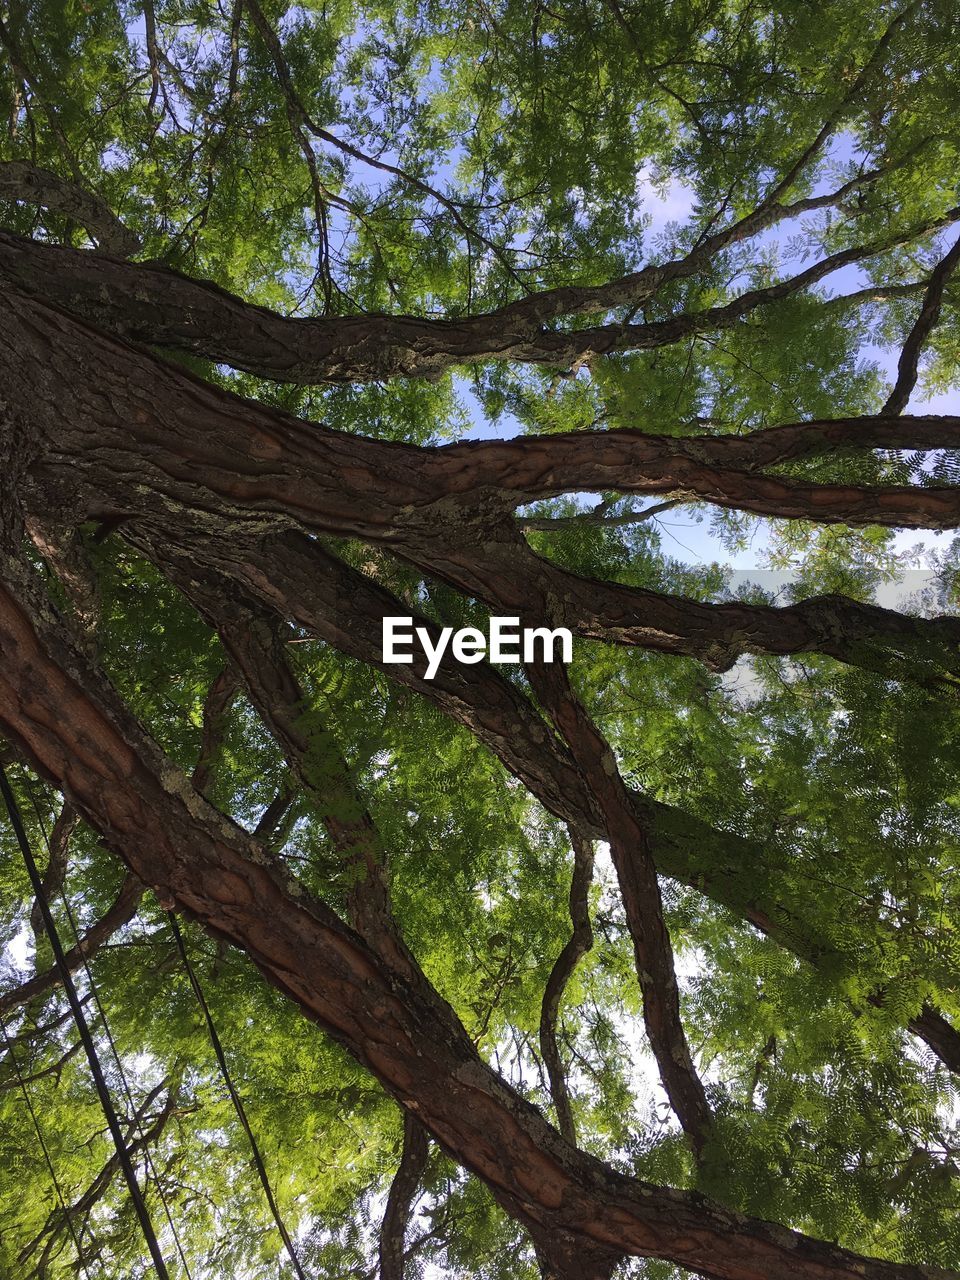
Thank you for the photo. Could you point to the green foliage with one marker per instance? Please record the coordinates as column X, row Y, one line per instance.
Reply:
column 532, row 142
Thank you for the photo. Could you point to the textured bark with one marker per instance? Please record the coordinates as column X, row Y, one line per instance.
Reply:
column 403, row 1190
column 575, row 948
column 640, row 890
column 227, row 497
column 719, row 469
column 295, row 577
column 32, row 185
column 939, row 1034
column 213, row 463
column 57, row 710
column 151, row 303
column 508, row 577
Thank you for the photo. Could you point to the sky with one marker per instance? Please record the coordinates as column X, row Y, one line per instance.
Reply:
column 686, row 536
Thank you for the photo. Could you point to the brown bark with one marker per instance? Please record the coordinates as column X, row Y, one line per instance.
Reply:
column 57, row 710
column 151, row 303
column 725, row 470
column 121, row 913
column 215, row 708
column 939, row 1034
column 216, row 464
column 575, row 948
column 295, row 577
column 403, row 1190
column 507, row 576
column 222, row 492
column 909, row 362
column 640, row 890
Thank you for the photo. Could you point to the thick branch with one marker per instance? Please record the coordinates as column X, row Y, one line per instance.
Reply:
column 245, row 491
column 257, row 468
column 510, row 579
column 533, row 467
column 261, row 465
column 295, row 577
column 157, row 305
column 29, row 184
column 728, row 470
column 54, row 706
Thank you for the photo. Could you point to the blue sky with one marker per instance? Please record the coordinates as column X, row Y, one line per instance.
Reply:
column 687, row 534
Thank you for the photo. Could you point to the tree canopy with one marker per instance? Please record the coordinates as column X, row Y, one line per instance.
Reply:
column 643, row 966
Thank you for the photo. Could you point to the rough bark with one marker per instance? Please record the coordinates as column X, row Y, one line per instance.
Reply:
column 32, row 185
column 214, row 463
column 217, row 491
column 632, row 858
column 215, row 707
column 575, row 948
column 152, row 303
column 61, row 714
column 403, row 1190
column 295, row 577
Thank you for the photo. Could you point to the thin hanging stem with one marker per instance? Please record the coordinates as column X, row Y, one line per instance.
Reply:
column 235, row 1098
column 103, row 1092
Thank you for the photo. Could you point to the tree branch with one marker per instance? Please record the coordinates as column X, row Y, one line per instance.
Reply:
column 294, row 577
column 58, row 1220
column 926, row 321
column 403, row 1190
column 216, row 705
column 121, row 913
column 640, row 890
column 154, row 304
column 312, row 587
column 596, row 518
column 29, row 184
column 336, row 475
column 56, row 868
column 576, row 947
column 399, row 1030
column 852, row 96
column 254, row 639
